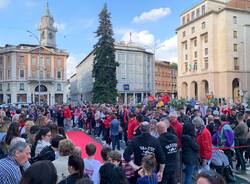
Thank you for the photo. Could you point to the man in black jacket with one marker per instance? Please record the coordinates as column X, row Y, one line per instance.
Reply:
column 168, row 142
column 142, row 145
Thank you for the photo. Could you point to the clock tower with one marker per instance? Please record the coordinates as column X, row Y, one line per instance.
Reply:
column 47, row 29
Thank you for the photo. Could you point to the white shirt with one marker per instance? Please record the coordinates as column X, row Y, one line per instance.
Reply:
column 40, row 145
column 61, row 165
column 91, row 168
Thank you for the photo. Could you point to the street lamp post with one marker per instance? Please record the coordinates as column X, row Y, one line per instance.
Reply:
column 39, row 65
column 154, row 48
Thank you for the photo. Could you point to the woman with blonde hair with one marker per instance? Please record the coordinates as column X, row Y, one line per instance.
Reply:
column 42, row 121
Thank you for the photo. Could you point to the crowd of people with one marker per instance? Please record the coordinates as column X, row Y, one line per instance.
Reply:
column 162, row 145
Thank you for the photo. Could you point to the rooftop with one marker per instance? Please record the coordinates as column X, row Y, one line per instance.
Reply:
column 27, row 48
column 239, row 4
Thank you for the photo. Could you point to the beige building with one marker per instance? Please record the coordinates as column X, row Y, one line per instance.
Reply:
column 213, row 50
column 174, row 75
column 23, row 66
column 165, row 78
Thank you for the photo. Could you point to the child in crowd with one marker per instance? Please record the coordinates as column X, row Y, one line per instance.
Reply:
column 92, row 166
column 148, row 176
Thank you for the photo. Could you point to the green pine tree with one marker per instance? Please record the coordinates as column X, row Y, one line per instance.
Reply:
column 104, row 69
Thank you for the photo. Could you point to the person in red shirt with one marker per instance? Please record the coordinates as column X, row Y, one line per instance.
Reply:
column 132, row 124
column 67, row 116
column 204, row 139
column 106, row 126
column 176, row 126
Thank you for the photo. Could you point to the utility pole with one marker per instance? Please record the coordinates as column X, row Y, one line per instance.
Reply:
column 39, row 65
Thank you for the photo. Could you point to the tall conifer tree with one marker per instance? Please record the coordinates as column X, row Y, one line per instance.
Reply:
column 104, row 69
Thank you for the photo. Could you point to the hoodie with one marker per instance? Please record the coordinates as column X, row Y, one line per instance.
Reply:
column 168, row 142
column 190, row 148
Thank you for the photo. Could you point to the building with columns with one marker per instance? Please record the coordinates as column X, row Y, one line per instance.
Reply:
column 213, row 50
column 135, row 75
column 23, row 66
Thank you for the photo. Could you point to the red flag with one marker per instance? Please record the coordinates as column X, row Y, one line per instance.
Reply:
column 165, row 99
column 151, row 98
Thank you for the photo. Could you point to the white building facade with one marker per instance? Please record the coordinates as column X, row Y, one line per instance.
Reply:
column 135, row 74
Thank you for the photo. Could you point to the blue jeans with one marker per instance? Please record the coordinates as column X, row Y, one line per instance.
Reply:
column 189, row 171
column 115, row 142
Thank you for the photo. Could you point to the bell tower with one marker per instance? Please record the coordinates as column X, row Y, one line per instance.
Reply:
column 47, row 29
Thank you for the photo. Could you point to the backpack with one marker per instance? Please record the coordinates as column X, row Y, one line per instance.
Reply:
column 47, row 153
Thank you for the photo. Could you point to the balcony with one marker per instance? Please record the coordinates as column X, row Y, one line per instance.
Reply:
column 42, row 79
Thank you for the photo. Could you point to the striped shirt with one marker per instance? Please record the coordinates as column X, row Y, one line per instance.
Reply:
column 9, row 171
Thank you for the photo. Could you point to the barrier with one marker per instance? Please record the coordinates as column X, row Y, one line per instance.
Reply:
column 232, row 147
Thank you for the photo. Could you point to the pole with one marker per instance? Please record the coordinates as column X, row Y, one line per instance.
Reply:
column 39, row 65
column 39, row 77
column 154, row 58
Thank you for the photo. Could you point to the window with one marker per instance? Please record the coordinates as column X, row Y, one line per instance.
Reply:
column 58, row 62
column 1, row 87
column 235, row 47
column 203, row 10
column 41, row 61
column 193, row 15
column 235, row 19
column 59, row 75
column 183, row 20
column 205, row 63
column 195, row 42
column 8, row 74
column 1, row 75
column 183, row 34
column 198, row 12
column 21, row 87
column 21, row 98
column 235, row 34
column 21, row 60
column 186, row 67
column 33, row 60
column 193, row 29
column 1, row 60
column 185, row 45
column 41, row 74
column 195, row 54
column 8, row 59
column 48, row 61
column 21, row 73
column 236, row 64
column 206, row 51
column 203, row 25
column 59, row 87
column 206, row 38
column 188, row 18
column 8, row 87
column 186, row 57
column 195, row 66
